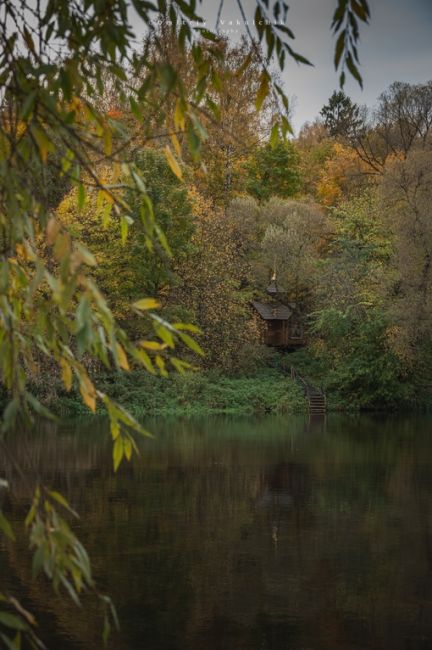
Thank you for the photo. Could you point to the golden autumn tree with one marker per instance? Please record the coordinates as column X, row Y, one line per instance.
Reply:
column 343, row 174
column 211, row 286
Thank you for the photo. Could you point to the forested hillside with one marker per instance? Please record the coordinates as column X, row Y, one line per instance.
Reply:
column 340, row 212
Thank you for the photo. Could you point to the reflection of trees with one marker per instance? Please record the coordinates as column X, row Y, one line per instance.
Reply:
column 232, row 534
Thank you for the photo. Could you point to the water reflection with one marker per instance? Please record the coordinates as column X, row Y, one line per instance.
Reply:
column 270, row 534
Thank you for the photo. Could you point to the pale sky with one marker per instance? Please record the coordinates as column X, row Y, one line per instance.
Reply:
column 396, row 46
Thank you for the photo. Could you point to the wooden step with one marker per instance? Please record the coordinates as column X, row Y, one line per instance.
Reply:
column 316, row 398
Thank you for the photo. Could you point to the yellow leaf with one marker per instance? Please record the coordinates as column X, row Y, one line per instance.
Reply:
column 179, row 116
column 176, row 144
column 153, row 345
column 88, row 393
column 107, row 196
column 172, row 162
column 66, row 374
column 52, row 230
column 43, row 142
column 106, row 215
column 122, row 358
column 161, row 365
column 21, row 251
column 147, row 303
column 107, row 136
column 118, row 452
column 115, row 428
column 127, row 448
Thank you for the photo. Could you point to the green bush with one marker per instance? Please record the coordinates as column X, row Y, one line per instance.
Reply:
column 197, row 394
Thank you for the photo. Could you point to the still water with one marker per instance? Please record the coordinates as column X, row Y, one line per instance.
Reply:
column 240, row 534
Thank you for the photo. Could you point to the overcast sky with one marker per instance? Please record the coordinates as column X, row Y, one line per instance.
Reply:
column 396, row 46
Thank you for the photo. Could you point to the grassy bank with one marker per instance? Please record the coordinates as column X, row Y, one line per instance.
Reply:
column 265, row 390
column 194, row 394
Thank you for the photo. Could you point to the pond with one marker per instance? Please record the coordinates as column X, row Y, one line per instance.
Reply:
column 278, row 533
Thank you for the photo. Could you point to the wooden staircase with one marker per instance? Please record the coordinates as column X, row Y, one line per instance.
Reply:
column 315, row 396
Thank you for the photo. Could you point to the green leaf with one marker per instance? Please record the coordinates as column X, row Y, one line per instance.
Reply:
column 83, row 313
column 106, row 630
column 339, row 14
column 263, row 90
column 118, row 451
column 259, row 22
column 32, row 512
column 124, row 228
column 165, row 335
column 135, row 108
column 167, row 76
column 191, row 343
column 10, row 413
column 5, row 527
column 38, row 561
column 87, row 257
column 62, row 501
column 361, row 9
column 180, row 365
column 28, row 105
column 286, row 30
column 163, row 240
column 187, row 9
column 194, row 142
column 207, row 34
column 270, row 40
column 12, row 621
column 274, row 135
column 340, row 44
column 39, row 408
column 138, row 181
column 354, row 70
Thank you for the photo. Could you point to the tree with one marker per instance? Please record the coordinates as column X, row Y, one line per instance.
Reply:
column 342, row 175
column 400, row 123
column 127, row 270
column 291, row 244
column 405, row 194
column 341, row 115
column 314, row 148
column 359, row 247
column 212, row 287
column 350, row 322
column 237, row 133
column 273, row 171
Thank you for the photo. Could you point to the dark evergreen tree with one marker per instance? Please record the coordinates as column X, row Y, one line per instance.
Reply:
column 341, row 115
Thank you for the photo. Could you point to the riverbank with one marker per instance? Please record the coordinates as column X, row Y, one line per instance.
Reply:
column 268, row 392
